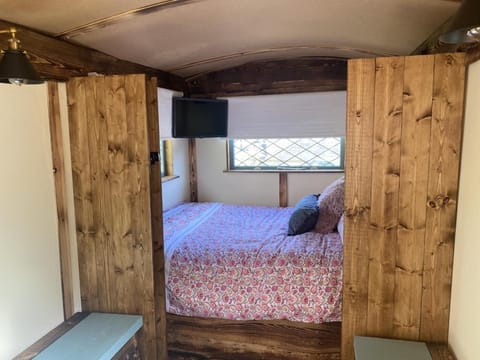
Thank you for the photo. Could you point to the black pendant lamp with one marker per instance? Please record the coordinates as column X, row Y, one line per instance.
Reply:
column 465, row 25
column 15, row 68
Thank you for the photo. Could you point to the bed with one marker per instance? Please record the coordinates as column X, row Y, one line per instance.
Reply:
column 238, row 287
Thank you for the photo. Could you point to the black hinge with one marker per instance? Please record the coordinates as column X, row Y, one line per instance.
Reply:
column 154, row 157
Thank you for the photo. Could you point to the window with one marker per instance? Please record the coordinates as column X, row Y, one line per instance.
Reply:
column 287, row 154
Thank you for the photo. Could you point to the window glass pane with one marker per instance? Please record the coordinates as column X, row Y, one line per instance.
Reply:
column 299, row 153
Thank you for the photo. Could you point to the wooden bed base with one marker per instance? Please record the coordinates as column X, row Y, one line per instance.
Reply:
column 193, row 338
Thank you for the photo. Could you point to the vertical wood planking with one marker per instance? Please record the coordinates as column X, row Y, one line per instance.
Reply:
column 157, row 222
column 99, row 170
column 60, row 197
column 385, row 186
column 121, row 169
column 283, row 189
column 415, row 146
column 446, row 133
column 137, row 129
column 360, row 105
column 192, row 156
column 112, row 194
column 79, row 144
column 404, row 264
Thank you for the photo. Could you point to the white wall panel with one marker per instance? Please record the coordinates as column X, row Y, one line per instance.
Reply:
column 465, row 312
column 31, row 299
column 177, row 190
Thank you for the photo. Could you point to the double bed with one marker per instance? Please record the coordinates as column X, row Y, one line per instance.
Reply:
column 239, row 286
column 237, row 262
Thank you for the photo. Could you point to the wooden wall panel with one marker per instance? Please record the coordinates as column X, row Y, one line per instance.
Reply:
column 358, row 170
column 192, row 158
column 86, row 231
column 96, row 132
column 283, row 189
column 157, row 221
column 398, row 251
column 55, row 126
column 110, row 157
column 415, row 147
column 384, row 203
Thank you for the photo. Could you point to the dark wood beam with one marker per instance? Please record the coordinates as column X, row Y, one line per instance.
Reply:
column 272, row 77
column 57, row 59
column 473, row 54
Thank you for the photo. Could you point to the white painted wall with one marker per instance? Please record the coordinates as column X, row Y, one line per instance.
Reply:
column 31, row 294
column 300, row 185
column 464, row 332
column 177, row 190
column 285, row 115
column 214, row 184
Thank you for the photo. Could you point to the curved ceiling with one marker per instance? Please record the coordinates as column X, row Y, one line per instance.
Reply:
column 188, row 37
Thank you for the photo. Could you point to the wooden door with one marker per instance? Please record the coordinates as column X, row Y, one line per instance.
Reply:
column 404, row 124
column 119, row 262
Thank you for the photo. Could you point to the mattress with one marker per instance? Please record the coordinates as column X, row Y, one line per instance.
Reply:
column 237, row 262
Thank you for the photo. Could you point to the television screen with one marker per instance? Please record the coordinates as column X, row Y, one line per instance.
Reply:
column 199, row 118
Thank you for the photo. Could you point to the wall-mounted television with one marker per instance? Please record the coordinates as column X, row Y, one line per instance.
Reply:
column 199, row 118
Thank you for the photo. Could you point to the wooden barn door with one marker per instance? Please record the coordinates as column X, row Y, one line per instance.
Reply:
column 121, row 267
column 404, row 126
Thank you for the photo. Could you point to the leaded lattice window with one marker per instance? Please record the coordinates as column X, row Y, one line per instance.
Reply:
column 287, row 154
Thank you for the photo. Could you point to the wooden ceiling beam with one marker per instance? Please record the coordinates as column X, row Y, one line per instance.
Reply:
column 56, row 59
column 272, row 77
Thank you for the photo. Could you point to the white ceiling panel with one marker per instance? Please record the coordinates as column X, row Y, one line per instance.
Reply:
column 57, row 16
column 197, row 36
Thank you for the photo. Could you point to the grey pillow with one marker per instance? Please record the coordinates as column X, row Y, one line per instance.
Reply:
column 305, row 215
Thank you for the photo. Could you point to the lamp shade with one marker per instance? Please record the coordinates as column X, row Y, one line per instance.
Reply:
column 464, row 27
column 15, row 68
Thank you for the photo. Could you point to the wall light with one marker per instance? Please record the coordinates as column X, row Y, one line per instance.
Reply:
column 465, row 25
column 15, row 68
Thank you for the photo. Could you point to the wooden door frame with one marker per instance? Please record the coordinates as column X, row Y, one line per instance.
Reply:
column 58, row 161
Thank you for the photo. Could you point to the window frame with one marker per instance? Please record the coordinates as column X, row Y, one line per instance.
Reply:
column 166, row 159
column 232, row 168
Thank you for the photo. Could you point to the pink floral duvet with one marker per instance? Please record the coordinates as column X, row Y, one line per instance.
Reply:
column 237, row 262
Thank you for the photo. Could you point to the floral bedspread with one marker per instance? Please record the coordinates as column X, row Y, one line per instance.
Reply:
column 237, row 262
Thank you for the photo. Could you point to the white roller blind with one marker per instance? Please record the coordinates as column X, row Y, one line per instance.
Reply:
column 165, row 111
column 320, row 114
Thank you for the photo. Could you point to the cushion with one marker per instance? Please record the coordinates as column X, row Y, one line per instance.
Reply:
column 304, row 216
column 330, row 206
column 340, row 224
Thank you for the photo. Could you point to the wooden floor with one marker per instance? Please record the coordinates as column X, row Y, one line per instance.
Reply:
column 215, row 339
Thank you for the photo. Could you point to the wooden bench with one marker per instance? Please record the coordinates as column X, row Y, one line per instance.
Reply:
column 89, row 336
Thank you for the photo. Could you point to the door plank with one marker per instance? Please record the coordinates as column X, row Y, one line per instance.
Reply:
column 358, row 169
column 415, row 148
column 384, row 202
